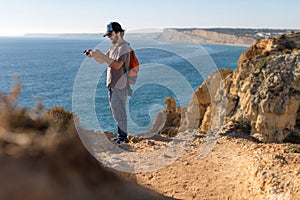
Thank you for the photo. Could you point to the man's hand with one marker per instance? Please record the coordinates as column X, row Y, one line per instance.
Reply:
column 96, row 54
column 101, row 58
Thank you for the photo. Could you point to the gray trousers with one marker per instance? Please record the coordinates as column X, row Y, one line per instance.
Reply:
column 117, row 102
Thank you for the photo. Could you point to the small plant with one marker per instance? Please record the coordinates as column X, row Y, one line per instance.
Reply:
column 10, row 115
column 14, row 118
column 295, row 148
column 60, row 117
column 258, row 39
column 286, row 51
column 262, row 63
column 9, row 101
column 282, row 37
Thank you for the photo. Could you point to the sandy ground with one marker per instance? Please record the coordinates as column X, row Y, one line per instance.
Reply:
column 236, row 168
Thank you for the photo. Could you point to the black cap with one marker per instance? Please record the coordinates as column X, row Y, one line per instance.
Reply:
column 113, row 26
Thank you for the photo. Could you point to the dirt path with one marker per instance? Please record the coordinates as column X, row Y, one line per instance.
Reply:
column 236, row 168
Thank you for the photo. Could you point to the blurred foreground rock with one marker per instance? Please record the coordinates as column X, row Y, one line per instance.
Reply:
column 53, row 164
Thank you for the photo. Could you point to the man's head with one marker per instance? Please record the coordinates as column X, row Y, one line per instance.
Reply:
column 115, row 32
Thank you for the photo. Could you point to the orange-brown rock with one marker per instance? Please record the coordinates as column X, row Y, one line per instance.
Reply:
column 264, row 91
column 202, row 99
column 172, row 116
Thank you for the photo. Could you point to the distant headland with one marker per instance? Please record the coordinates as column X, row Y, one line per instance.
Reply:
column 225, row 36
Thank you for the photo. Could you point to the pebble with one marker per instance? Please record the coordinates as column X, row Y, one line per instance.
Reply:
column 150, row 177
column 186, row 163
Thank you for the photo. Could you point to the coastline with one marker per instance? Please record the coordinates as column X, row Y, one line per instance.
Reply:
column 245, row 161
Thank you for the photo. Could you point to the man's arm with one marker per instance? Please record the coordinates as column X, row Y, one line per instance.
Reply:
column 100, row 57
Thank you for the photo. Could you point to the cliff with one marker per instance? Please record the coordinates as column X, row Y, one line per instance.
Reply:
column 205, row 37
column 255, row 112
column 260, row 98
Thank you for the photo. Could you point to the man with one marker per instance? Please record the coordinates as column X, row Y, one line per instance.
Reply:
column 118, row 59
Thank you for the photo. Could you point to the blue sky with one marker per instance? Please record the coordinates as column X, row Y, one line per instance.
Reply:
column 91, row 16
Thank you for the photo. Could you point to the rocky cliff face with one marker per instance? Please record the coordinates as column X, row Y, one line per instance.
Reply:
column 205, row 37
column 198, row 112
column 262, row 95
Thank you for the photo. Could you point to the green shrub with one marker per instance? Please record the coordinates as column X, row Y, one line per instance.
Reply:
column 263, row 62
column 295, row 148
column 286, row 51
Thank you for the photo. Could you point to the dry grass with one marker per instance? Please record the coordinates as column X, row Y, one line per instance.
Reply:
column 16, row 119
column 60, row 118
column 24, row 130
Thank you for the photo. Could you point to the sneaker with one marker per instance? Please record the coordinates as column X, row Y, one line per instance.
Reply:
column 118, row 140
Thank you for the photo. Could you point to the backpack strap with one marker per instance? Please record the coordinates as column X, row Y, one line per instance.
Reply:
column 124, row 68
column 124, row 65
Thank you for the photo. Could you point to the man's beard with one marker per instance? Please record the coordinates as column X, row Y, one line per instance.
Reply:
column 115, row 39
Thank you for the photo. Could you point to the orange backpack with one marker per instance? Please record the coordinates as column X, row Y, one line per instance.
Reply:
column 133, row 68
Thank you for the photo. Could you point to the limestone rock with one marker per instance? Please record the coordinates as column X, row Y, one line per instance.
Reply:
column 203, row 97
column 204, row 37
column 264, row 91
column 171, row 118
column 167, row 121
column 205, row 125
column 261, row 97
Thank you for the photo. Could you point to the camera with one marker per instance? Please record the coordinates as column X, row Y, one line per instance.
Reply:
column 87, row 52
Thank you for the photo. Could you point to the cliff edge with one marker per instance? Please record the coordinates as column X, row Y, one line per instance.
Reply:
column 262, row 96
column 223, row 36
column 258, row 104
column 205, row 37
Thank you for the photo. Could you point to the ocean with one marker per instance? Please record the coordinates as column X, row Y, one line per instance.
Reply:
column 55, row 71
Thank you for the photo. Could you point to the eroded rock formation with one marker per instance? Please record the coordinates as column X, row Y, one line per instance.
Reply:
column 199, row 110
column 262, row 94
